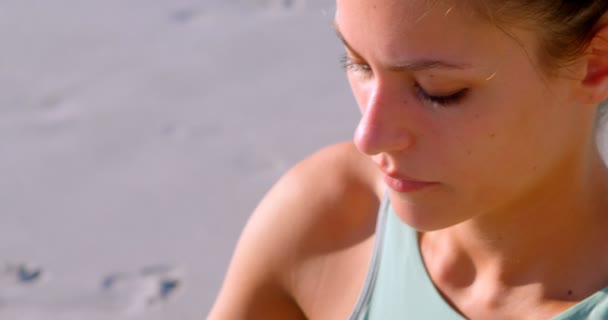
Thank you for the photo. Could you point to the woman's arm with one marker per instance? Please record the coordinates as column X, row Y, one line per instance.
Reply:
column 310, row 209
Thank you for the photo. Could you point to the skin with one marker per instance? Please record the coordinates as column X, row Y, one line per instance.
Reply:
column 517, row 193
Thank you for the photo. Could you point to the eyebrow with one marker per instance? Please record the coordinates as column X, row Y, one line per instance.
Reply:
column 417, row 65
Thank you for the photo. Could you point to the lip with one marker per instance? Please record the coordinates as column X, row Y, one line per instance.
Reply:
column 406, row 185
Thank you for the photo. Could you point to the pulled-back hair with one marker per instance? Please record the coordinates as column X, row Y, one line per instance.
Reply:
column 566, row 26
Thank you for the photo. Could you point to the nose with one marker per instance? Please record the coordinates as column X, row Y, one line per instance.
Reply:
column 384, row 125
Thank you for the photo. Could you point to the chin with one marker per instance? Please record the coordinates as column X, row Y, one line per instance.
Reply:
column 424, row 217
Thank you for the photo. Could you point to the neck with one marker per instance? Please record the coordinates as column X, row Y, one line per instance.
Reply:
column 538, row 239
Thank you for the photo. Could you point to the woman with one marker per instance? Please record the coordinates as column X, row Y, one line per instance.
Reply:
column 474, row 187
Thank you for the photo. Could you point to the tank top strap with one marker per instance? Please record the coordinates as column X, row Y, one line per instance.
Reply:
column 398, row 285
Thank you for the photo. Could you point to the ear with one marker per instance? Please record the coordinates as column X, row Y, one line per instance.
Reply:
column 595, row 82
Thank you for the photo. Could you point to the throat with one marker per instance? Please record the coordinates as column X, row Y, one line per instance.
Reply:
column 543, row 250
column 487, row 291
column 554, row 230
column 551, row 269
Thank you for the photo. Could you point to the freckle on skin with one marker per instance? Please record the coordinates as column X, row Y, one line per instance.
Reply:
column 492, row 135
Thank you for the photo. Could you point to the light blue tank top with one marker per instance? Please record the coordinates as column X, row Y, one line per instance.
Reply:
column 398, row 286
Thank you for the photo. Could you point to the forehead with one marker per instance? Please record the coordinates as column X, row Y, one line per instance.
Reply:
column 391, row 30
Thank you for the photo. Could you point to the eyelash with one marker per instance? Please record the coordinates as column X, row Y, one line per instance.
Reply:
column 442, row 101
column 349, row 65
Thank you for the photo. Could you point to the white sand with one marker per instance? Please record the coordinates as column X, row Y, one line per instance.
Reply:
column 141, row 134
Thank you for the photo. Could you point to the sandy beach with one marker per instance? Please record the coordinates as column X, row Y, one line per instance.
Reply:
column 137, row 137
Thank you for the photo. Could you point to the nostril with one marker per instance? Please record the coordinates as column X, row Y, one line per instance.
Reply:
column 381, row 161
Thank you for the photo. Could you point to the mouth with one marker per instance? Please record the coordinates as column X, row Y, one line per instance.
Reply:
column 404, row 184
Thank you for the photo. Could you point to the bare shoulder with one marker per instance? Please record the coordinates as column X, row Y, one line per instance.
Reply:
column 311, row 221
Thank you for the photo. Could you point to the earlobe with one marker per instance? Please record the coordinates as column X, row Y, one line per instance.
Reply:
column 595, row 82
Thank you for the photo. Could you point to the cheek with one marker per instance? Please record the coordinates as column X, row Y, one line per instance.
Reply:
column 471, row 143
column 495, row 154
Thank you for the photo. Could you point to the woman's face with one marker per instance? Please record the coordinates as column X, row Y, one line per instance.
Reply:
column 452, row 101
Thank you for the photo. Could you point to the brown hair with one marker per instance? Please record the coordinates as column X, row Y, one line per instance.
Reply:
column 566, row 26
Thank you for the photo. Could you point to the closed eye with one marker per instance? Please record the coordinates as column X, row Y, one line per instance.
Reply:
column 441, row 100
column 348, row 65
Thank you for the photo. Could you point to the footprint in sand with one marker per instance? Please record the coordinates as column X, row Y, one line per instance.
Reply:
column 184, row 15
column 22, row 273
column 145, row 288
column 20, row 279
column 288, row 3
column 56, row 112
column 119, row 294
